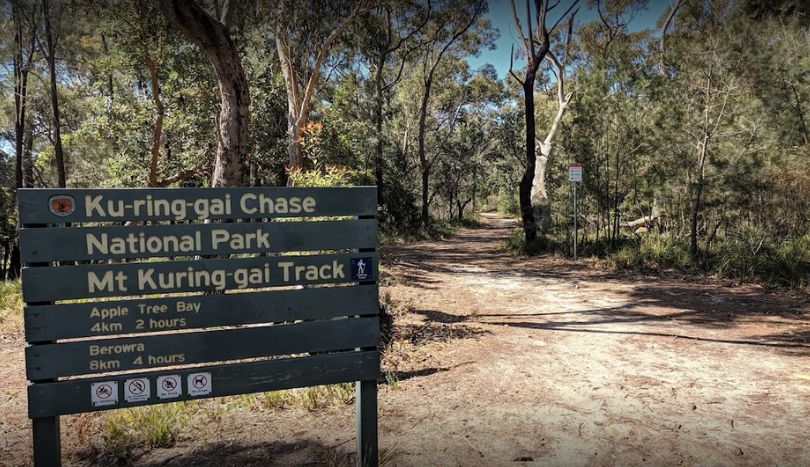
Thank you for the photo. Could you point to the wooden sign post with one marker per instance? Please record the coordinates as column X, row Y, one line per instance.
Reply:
column 205, row 292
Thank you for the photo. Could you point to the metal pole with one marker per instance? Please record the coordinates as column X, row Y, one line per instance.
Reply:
column 575, row 221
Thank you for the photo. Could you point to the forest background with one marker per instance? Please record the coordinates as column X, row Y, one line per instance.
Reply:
column 693, row 132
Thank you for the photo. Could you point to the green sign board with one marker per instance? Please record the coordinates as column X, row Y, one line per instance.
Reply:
column 146, row 296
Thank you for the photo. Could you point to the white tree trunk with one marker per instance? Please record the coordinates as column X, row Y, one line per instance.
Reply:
column 539, row 195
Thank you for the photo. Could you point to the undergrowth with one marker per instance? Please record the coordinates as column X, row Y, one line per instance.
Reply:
column 125, row 431
column 746, row 256
column 437, row 229
column 10, row 304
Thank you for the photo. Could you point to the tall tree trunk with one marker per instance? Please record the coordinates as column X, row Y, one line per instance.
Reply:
column 300, row 91
column 5, row 266
column 539, row 194
column 423, row 161
column 21, row 67
column 28, row 155
column 378, row 126
column 57, row 125
column 212, row 37
column 527, row 180
column 15, row 264
column 541, row 205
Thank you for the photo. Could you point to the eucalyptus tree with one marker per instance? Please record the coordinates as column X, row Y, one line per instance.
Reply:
column 211, row 34
column 536, row 42
column 304, row 35
column 454, row 28
column 50, row 56
column 386, row 36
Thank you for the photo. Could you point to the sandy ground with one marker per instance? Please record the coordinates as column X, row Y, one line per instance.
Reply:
column 511, row 361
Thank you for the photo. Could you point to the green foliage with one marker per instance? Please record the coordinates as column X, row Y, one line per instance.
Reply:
column 714, row 123
column 10, row 303
column 748, row 258
column 275, row 399
column 654, row 252
column 317, row 397
column 391, row 380
column 125, row 431
column 508, row 203
column 328, row 175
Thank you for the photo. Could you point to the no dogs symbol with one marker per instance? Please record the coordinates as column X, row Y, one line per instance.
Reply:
column 199, row 384
column 199, row 381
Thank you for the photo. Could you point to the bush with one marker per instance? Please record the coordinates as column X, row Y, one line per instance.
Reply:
column 653, row 252
column 554, row 241
column 324, row 175
column 746, row 256
column 751, row 257
column 508, row 203
column 10, row 303
column 125, row 431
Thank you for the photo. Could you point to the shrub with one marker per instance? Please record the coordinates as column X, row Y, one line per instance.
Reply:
column 508, row 203
column 10, row 303
column 155, row 426
column 324, row 175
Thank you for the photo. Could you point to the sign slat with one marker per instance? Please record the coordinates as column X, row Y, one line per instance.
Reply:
column 127, row 353
column 74, row 396
column 41, row 284
column 76, row 320
column 75, row 243
column 57, row 205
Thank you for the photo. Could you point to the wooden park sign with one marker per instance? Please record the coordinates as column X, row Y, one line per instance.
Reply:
column 146, row 296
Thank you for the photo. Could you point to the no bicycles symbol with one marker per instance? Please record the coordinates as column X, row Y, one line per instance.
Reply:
column 138, row 250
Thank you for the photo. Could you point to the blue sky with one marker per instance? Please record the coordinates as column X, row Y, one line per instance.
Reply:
column 500, row 14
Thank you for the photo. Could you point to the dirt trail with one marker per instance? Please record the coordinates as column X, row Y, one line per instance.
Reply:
column 557, row 363
column 510, row 361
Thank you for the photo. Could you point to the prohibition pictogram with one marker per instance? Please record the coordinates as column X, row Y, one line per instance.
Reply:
column 200, row 381
column 104, row 391
column 169, row 384
column 137, row 387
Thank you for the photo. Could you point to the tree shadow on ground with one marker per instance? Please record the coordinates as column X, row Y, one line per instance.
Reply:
column 300, row 452
column 683, row 308
column 409, row 374
column 654, row 310
column 422, row 334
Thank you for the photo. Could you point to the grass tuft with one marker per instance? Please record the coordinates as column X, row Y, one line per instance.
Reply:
column 125, row 431
column 10, row 304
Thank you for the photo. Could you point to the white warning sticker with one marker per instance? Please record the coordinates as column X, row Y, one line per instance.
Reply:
column 104, row 393
column 136, row 390
column 168, row 386
column 199, row 384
